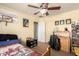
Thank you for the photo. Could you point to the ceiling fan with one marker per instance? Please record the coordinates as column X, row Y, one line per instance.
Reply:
column 43, row 8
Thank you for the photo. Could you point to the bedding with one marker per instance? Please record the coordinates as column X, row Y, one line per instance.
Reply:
column 8, row 42
column 17, row 50
column 9, row 46
column 5, row 37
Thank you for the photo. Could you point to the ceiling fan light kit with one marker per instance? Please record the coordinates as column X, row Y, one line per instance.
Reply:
column 43, row 9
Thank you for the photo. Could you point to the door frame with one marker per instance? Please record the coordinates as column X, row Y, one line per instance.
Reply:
column 36, row 29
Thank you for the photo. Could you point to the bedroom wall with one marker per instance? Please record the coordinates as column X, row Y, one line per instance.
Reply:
column 49, row 20
column 17, row 26
column 73, row 15
column 24, row 32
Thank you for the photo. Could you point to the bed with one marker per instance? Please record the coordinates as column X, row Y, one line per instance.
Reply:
column 10, row 46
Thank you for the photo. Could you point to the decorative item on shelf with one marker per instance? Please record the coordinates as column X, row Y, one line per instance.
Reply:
column 78, row 22
column 25, row 22
column 68, row 21
column 61, row 22
column 56, row 22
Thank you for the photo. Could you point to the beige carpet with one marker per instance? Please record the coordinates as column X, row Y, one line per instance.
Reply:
column 41, row 47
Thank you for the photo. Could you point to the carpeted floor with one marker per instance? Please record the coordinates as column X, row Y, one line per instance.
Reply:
column 41, row 47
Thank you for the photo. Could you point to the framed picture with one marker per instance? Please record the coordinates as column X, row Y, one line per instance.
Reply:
column 56, row 22
column 25, row 22
column 61, row 22
column 7, row 19
column 68, row 21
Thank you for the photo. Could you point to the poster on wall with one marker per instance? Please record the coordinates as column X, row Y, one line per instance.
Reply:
column 25, row 22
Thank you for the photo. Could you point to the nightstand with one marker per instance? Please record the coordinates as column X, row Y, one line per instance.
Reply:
column 31, row 43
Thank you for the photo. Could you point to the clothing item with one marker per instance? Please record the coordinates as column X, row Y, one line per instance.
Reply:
column 55, row 42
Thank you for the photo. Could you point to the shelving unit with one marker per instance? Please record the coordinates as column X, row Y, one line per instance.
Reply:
column 75, row 36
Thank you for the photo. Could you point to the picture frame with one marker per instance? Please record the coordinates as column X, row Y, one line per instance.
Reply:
column 7, row 19
column 4, row 18
column 61, row 22
column 56, row 22
column 68, row 21
column 25, row 22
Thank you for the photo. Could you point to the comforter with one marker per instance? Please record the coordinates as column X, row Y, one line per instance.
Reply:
column 17, row 50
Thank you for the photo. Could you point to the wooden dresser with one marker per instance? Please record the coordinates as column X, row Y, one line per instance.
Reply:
column 64, row 40
column 65, row 43
column 31, row 43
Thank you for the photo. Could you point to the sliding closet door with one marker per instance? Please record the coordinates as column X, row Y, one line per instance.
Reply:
column 41, row 32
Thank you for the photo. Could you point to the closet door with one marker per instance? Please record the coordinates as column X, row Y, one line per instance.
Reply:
column 41, row 32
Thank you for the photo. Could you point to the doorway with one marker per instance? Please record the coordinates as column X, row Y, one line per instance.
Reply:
column 36, row 30
column 41, row 32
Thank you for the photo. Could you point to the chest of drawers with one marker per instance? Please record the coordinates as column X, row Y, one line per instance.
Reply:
column 31, row 43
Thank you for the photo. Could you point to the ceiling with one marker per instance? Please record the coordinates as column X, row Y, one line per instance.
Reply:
column 22, row 7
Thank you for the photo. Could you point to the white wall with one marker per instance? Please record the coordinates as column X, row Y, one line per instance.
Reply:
column 50, row 22
column 17, row 27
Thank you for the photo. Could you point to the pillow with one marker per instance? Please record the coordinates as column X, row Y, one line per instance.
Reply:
column 4, row 37
column 8, row 42
column 11, row 36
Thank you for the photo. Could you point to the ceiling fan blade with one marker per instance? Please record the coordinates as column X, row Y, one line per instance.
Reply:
column 54, row 8
column 33, row 6
column 36, row 13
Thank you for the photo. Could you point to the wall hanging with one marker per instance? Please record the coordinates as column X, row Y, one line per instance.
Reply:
column 25, row 22
column 61, row 22
column 7, row 18
column 56, row 22
column 68, row 21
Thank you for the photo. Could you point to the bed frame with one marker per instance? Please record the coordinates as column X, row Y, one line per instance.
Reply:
column 47, row 52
